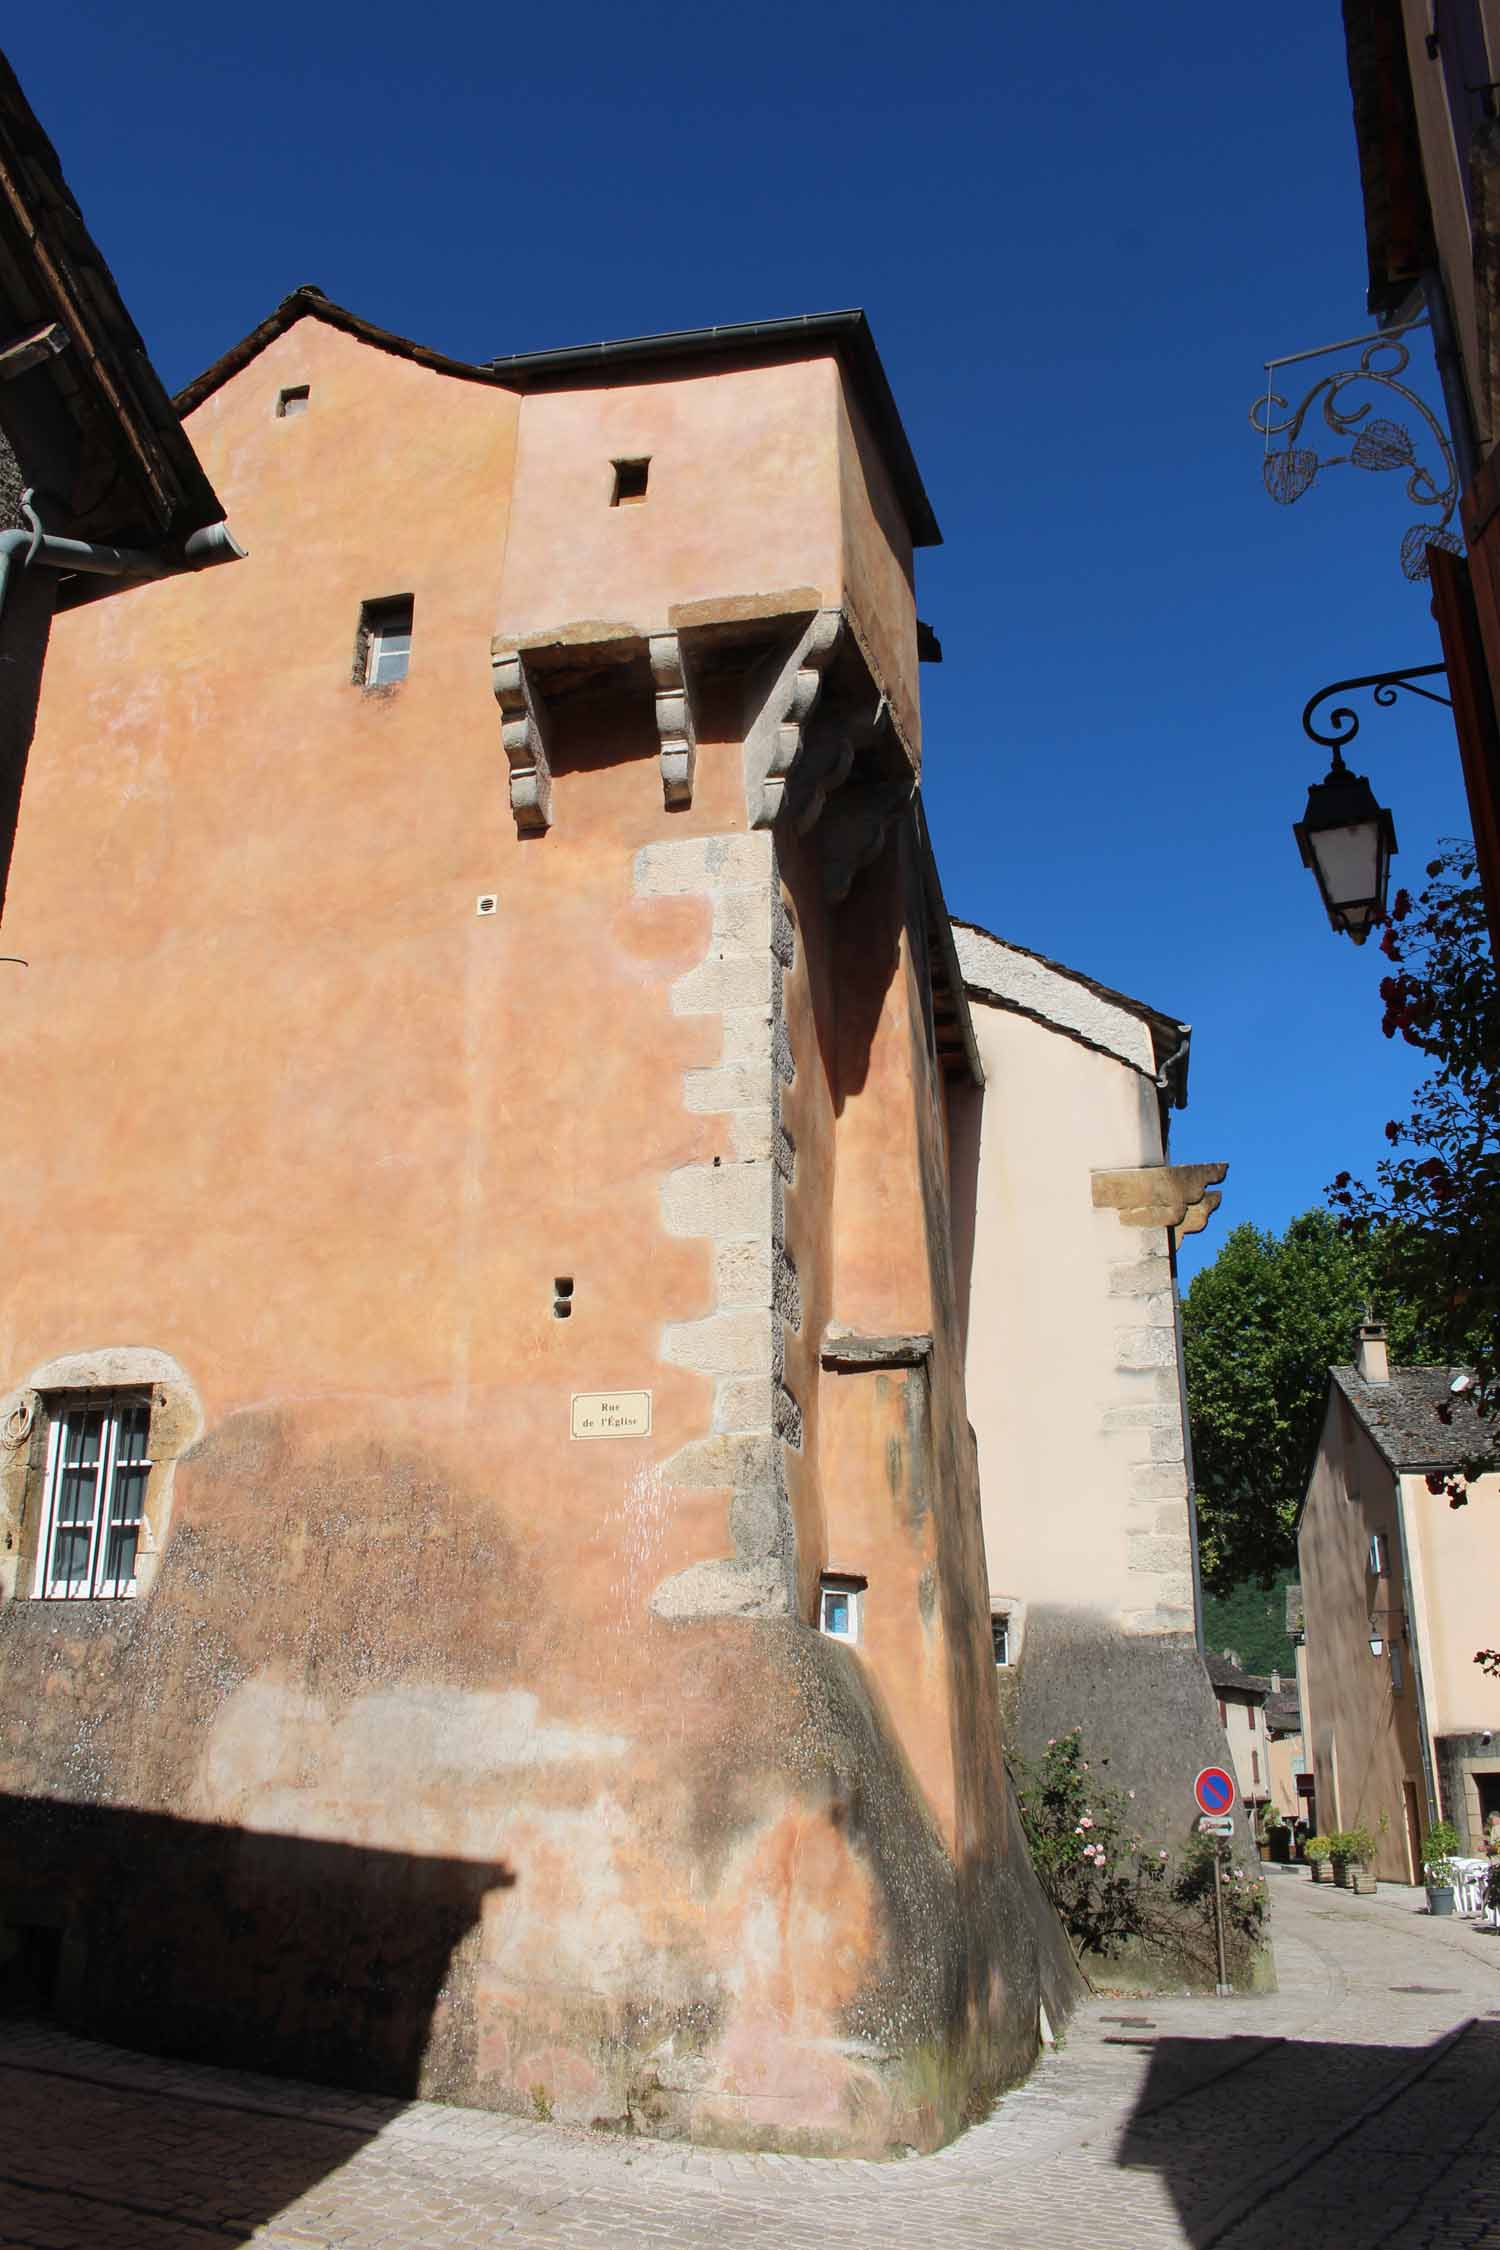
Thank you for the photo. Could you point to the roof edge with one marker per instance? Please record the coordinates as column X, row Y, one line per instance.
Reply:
column 307, row 301
column 1169, row 1034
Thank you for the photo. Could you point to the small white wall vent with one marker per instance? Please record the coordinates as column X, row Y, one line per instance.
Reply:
column 486, row 903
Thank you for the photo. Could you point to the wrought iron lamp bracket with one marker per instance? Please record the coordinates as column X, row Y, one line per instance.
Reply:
column 1344, row 722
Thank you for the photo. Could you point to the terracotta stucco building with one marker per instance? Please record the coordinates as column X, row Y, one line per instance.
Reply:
column 492, row 1535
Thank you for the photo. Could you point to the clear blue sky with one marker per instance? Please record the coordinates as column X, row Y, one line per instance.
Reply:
column 1078, row 231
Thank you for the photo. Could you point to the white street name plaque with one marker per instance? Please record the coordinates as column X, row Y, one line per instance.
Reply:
column 611, row 1414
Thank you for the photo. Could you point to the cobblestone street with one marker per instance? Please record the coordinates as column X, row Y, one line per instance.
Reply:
column 1360, row 2104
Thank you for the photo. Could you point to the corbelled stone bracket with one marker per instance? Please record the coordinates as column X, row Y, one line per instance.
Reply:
column 854, row 830
column 1179, row 1196
column 773, row 740
column 523, row 732
column 674, row 718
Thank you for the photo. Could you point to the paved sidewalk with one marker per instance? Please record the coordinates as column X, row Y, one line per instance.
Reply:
column 1359, row 2105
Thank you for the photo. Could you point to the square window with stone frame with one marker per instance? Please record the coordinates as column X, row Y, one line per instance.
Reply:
column 1000, row 1635
column 94, row 1497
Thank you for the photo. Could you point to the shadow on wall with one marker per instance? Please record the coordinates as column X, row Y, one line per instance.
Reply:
column 1347, row 2145
column 316, row 1960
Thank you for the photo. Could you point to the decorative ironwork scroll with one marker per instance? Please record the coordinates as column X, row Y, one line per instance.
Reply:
column 1344, row 723
column 1378, row 444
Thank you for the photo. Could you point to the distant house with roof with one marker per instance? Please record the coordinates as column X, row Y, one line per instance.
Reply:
column 1398, row 1591
column 1242, row 1714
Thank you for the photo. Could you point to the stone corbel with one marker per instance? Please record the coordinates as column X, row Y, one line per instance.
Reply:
column 523, row 732
column 674, row 718
column 853, row 830
column 774, row 738
column 1178, row 1196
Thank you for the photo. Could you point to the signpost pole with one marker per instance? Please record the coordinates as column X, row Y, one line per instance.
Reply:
column 1223, row 1984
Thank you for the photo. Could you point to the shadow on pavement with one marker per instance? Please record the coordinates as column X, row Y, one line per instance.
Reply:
column 278, row 1954
column 1284, row 2141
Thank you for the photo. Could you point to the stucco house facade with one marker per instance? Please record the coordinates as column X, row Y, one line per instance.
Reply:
column 1398, row 1591
column 1075, row 1376
column 1241, row 1698
column 495, row 1598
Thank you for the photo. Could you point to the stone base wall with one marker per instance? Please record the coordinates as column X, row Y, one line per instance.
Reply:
column 1150, row 1724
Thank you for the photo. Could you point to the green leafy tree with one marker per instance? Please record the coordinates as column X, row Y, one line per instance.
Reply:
column 1432, row 1215
column 1261, row 1327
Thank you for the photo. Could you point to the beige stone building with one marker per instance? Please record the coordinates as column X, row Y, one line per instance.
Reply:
column 1398, row 1591
column 1075, row 1375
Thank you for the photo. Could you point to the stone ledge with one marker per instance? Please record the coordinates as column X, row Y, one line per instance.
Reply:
column 845, row 1350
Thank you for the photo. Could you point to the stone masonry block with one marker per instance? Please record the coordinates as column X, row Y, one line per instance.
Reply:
column 1158, row 1480
column 746, row 1086
column 742, row 1271
column 744, row 1403
column 742, row 921
column 747, row 1036
column 702, row 863
column 1145, row 1347
column 1162, row 1416
column 1166, row 1444
column 727, row 1343
column 1158, row 1552
column 1166, row 1617
column 1142, row 1277
column 735, row 1461
column 742, row 981
column 752, row 1136
column 718, row 1199
column 1169, row 1518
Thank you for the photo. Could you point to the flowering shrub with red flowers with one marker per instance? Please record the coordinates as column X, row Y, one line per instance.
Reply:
column 1435, row 1201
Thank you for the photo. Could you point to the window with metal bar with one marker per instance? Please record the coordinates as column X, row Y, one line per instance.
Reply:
column 98, row 1466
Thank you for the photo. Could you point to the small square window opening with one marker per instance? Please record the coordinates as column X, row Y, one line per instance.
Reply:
column 1000, row 1635
column 292, row 401
column 383, row 651
column 839, row 1604
column 630, row 481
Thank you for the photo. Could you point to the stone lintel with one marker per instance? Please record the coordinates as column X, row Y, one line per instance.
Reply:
column 1175, row 1196
column 847, row 1351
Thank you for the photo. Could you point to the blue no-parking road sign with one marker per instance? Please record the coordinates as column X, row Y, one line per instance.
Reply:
column 1214, row 1790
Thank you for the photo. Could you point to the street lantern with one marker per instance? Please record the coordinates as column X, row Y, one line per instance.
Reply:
column 1347, row 839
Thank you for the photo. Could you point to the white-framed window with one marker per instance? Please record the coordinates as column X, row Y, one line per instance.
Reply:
column 1377, row 1554
column 1000, row 1634
column 385, row 629
column 839, row 1603
column 98, row 1466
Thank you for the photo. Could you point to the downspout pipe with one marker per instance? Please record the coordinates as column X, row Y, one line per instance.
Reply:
column 33, row 548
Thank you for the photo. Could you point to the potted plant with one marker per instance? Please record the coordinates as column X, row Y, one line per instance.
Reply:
column 1318, row 1852
column 1439, row 1850
column 1279, row 1837
column 1361, row 1848
column 1341, row 1857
